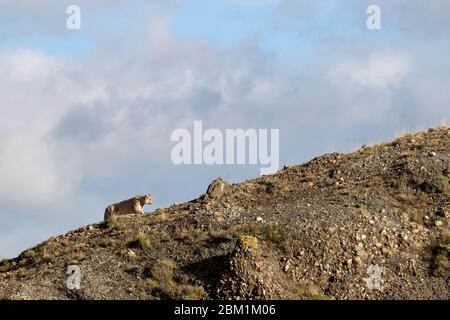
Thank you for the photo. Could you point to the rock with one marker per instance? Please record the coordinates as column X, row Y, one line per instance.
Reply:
column 447, row 170
column 217, row 188
column 254, row 273
column 287, row 266
column 438, row 223
column 246, row 243
column 219, row 217
column 385, row 251
column 349, row 263
column 131, row 253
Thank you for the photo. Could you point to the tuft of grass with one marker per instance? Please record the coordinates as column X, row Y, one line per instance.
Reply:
column 306, row 290
column 112, row 222
column 188, row 292
column 405, row 197
column 6, row 265
column 142, row 241
column 441, row 264
column 162, row 270
column 439, row 184
column 362, row 206
column 26, row 258
column 147, row 240
column 266, row 186
column 367, row 149
column 269, row 232
column 441, row 260
column 162, row 283
column 190, row 236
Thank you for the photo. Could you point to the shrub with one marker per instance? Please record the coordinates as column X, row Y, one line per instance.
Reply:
column 441, row 261
column 6, row 265
column 162, row 270
column 271, row 233
column 441, row 264
column 361, row 206
column 112, row 222
column 142, row 241
column 439, row 184
column 162, row 283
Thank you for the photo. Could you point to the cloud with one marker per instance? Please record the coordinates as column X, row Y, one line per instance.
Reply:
column 379, row 71
column 30, row 174
column 411, row 17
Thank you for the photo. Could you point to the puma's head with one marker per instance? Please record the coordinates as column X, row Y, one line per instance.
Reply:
column 148, row 199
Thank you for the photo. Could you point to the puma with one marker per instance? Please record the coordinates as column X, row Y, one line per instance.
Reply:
column 134, row 205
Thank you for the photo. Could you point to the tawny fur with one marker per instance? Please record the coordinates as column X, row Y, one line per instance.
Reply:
column 134, row 205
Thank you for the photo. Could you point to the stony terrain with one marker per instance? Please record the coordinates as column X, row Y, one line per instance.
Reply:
column 308, row 232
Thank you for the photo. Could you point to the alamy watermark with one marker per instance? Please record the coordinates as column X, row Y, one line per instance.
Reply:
column 374, row 20
column 236, row 146
column 74, row 277
column 73, row 22
column 374, row 280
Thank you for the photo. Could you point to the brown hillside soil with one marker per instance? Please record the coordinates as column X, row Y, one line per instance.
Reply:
column 309, row 231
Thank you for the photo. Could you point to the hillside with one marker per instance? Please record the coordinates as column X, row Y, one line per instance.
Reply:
column 309, row 231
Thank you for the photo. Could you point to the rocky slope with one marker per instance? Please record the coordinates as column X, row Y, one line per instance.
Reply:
column 309, row 231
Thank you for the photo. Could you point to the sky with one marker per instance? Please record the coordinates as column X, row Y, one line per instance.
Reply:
column 87, row 114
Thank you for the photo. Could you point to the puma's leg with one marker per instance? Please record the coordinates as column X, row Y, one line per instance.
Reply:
column 108, row 212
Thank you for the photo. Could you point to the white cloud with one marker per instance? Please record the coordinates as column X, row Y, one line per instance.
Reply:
column 379, row 71
column 31, row 175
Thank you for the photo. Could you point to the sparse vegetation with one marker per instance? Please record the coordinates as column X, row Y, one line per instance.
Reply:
column 405, row 197
column 142, row 241
column 162, row 283
column 441, row 261
column 361, row 206
column 266, row 186
column 367, row 149
column 440, row 184
column 190, row 236
column 269, row 232
column 6, row 265
column 147, row 240
column 112, row 222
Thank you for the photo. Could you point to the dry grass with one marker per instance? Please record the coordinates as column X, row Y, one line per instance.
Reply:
column 142, row 241
column 271, row 233
column 162, row 283
column 112, row 222
column 441, row 261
